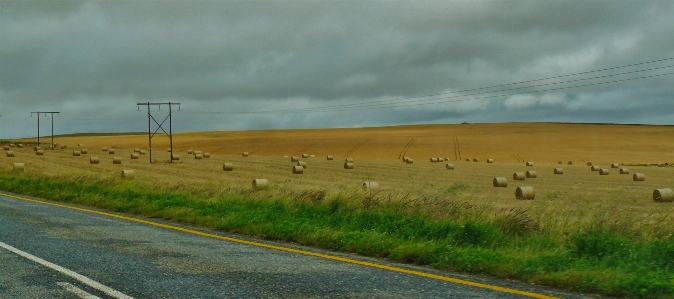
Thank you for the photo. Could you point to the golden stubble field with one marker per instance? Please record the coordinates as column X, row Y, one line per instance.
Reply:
column 579, row 195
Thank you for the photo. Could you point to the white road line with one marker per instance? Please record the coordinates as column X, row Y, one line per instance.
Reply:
column 77, row 291
column 81, row 278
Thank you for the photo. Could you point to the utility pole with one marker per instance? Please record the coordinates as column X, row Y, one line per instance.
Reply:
column 52, row 125
column 150, row 118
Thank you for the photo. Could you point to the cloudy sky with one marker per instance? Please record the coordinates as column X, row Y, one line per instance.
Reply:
column 237, row 65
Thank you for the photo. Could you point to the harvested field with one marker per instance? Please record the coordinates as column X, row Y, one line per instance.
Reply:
column 577, row 196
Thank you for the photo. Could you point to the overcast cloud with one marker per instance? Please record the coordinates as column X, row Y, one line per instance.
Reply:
column 302, row 64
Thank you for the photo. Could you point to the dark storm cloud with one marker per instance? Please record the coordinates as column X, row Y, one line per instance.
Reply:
column 93, row 59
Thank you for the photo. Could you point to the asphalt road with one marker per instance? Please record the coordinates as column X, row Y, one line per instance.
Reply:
column 145, row 261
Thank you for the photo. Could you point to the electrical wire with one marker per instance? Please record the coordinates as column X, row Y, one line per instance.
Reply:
column 413, row 101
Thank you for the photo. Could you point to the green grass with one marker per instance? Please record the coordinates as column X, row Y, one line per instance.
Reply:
column 508, row 245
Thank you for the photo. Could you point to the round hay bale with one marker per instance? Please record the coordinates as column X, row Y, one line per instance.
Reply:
column 294, row 159
column 525, row 193
column 490, row 160
column 589, row 163
column 348, row 160
column 531, row 174
column 128, row 173
column 111, row 151
column 19, row 167
column 659, row 195
column 77, row 153
column 500, row 182
column 348, row 165
column 446, row 159
column 603, row 171
column 142, row 152
column 117, row 160
column 405, row 159
column 198, row 156
column 244, row 154
column 569, row 163
column 559, row 162
column 312, row 156
column 20, row 145
column 624, row 171
column 370, row 185
column 530, row 164
column 136, row 150
column 558, row 170
column 227, row 166
column 39, row 152
column 175, row 157
column 639, row 177
column 94, row 160
column 329, row 158
column 260, row 183
column 450, row 166
column 595, row 168
column 79, row 144
column 615, row 165
column 5, row 147
column 302, row 163
column 434, row 159
column 12, row 145
column 207, row 155
column 519, row 176
column 297, row 169
column 168, row 150
column 190, row 152
column 10, row 154
column 37, row 148
column 105, row 148
column 305, row 156
column 476, row 160
column 467, row 159
column 410, row 161
column 134, row 156
column 84, row 151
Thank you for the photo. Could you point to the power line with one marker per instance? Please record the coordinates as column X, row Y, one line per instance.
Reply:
column 365, row 105
column 420, row 101
column 529, row 92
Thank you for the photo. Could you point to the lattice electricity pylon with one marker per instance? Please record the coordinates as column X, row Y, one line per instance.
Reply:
column 150, row 118
column 38, row 125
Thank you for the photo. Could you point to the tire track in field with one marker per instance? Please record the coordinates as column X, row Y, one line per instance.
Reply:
column 517, row 157
column 457, row 150
column 406, row 148
column 304, row 150
column 349, row 153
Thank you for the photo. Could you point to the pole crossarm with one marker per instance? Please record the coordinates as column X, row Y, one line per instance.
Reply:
column 151, row 118
column 52, row 125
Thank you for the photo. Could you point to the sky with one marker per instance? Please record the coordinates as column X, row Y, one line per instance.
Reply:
column 249, row 65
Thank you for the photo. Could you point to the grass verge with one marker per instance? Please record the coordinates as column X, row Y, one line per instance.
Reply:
column 508, row 245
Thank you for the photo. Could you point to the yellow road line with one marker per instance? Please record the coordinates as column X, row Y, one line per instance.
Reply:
column 286, row 249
